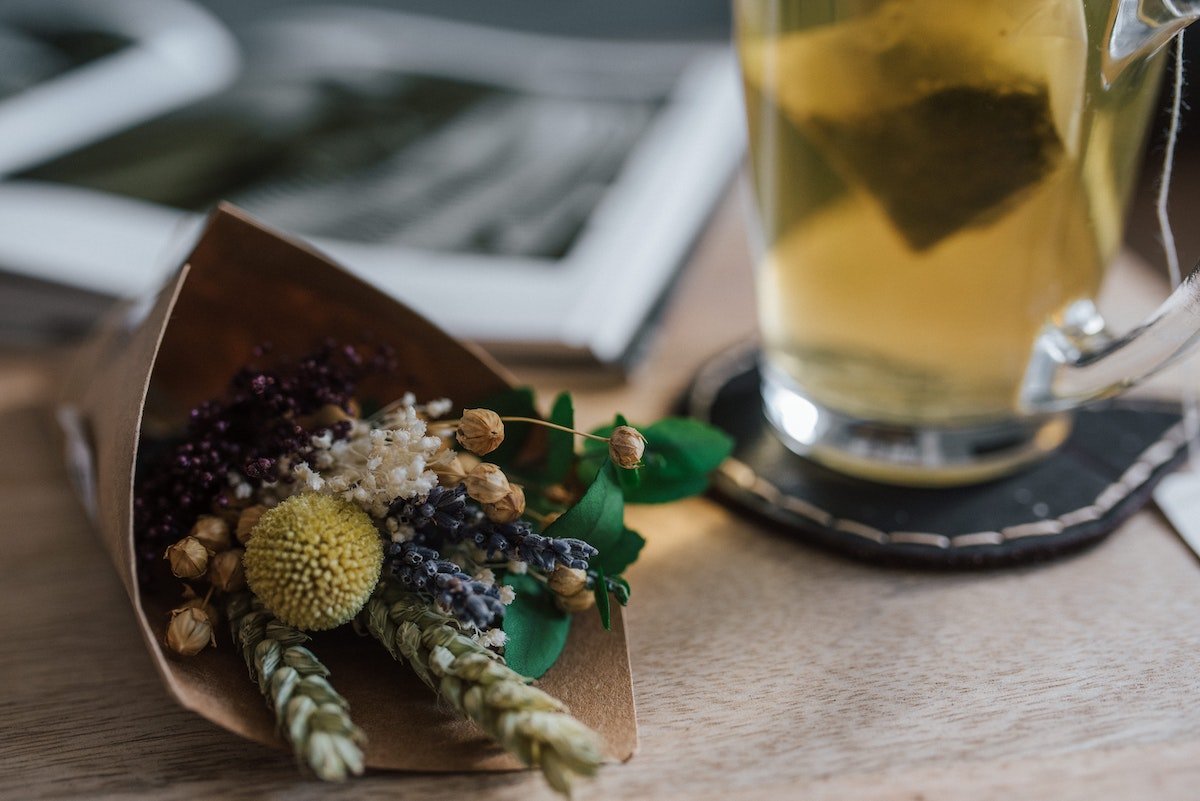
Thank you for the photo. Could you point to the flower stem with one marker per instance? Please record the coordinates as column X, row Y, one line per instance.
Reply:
column 451, row 424
column 536, row 515
column 555, row 426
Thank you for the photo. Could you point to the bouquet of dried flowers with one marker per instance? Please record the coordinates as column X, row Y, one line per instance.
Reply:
column 463, row 543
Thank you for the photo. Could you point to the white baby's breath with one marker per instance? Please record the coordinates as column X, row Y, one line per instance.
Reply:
column 307, row 477
column 492, row 638
column 437, row 408
column 241, row 488
column 374, row 464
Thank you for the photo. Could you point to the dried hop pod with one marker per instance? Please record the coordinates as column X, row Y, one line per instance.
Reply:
column 578, row 602
column 208, row 609
column 313, row 560
column 228, row 507
column 626, row 446
column 567, row 580
column 508, row 508
column 480, row 431
column 449, row 470
column 487, row 483
column 247, row 520
column 330, row 415
column 213, row 533
column 189, row 631
column 188, row 558
column 225, row 571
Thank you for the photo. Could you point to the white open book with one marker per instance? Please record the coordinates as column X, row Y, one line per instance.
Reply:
column 533, row 193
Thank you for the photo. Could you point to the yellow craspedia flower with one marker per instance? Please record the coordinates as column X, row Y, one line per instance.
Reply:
column 313, row 560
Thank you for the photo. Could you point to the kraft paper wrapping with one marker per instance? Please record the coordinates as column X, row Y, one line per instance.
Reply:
column 243, row 285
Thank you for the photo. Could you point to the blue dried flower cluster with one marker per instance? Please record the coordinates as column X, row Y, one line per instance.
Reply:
column 421, row 569
column 518, row 541
column 446, row 517
column 436, row 516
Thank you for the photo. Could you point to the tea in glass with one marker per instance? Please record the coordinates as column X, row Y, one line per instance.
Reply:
column 935, row 182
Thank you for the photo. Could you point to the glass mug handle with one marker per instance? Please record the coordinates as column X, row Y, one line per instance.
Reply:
column 1062, row 375
column 1138, row 28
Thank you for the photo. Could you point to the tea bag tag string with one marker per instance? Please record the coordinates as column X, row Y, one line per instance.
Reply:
column 1191, row 398
column 1170, row 250
column 1178, row 495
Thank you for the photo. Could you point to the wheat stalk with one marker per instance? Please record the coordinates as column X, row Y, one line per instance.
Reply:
column 526, row 722
column 311, row 715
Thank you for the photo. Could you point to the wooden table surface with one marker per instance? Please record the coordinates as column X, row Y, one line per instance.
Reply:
column 763, row 669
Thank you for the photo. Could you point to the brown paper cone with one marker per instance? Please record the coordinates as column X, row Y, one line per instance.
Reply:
column 244, row 285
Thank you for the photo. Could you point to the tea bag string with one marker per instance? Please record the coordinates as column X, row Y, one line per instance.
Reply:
column 1168, row 169
column 1191, row 398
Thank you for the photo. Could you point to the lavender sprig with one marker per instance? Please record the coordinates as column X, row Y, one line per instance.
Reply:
column 518, row 542
column 445, row 517
column 440, row 514
column 421, row 569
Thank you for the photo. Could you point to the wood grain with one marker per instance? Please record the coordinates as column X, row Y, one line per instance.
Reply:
column 762, row 669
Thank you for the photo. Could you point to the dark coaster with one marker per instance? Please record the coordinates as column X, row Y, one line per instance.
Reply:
column 1103, row 474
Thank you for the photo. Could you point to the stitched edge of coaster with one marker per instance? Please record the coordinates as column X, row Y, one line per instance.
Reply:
column 713, row 376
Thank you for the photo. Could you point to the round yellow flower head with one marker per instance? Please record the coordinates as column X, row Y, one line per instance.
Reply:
column 313, row 560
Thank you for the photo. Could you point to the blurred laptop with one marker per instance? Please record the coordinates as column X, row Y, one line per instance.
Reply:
column 505, row 183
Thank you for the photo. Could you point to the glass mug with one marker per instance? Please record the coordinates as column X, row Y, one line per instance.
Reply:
column 938, row 186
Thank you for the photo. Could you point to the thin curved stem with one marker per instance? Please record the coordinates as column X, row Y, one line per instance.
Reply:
column 555, row 426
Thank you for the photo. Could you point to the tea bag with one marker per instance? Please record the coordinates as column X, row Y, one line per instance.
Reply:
column 953, row 158
column 795, row 160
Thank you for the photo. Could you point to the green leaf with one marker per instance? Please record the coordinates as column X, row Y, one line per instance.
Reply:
column 698, row 445
column 593, row 457
column 511, row 403
column 601, row 591
column 598, row 518
column 667, row 486
column 560, row 445
column 620, row 589
column 536, row 628
column 623, row 553
column 630, row 479
column 680, row 453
